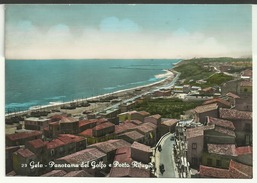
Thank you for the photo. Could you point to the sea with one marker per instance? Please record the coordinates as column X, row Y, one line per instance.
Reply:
column 31, row 83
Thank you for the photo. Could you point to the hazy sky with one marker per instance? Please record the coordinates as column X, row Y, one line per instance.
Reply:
column 127, row 31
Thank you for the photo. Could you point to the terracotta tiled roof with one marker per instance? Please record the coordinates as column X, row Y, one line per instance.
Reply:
column 123, row 155
column 37, row 143
column 225, row 131
column 119, row 143
column 25, row 153
column 244, row 150
column 236, row 170
column 54, row 173
column 68, row 120
column 57, row 117
column 246, row 83
column 85, row 155
column 85, row 122
column 105, row 147
column 235, row 114
column 110, row 145
column 124, row 127
column 222, row 149
column 232, row 95
column 68, row 138
column 216, row 100
column 229, row 149
column 103, row 126
column 153, row 126
column 90, row 121
column 211, row 172
column 23, row 135
column 144, row 129
column 46, row 129
column 54, row 123
column 54, row 143
column 221, row 122
column 87, row 133
column 206, row 108
column 129, row 172
column 170, row 122
column 239, row 170
column 136, row 122
column 247, row 72
column 194, row 132
column 134, row 135
column 79, row 173
column 156, row 116
column 219, row 128
column 141, row 147
column 74, row 138
column 144, row 113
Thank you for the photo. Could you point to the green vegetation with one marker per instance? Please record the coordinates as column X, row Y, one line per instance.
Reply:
column 167, row 108
column 192, row 70
column 218, row 79
column 215, row 80
column 203, row 69
column 221, row 59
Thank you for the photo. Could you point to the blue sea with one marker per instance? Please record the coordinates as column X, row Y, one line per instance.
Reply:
column 37, row 82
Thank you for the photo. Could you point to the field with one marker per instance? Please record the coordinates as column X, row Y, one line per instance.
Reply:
column 167, row 108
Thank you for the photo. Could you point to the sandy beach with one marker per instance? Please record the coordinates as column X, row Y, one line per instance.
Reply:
column 99, row 103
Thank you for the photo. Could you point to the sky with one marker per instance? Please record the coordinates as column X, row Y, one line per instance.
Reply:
column 127, row 31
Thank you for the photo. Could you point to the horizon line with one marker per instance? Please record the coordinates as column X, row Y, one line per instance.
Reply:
column 243, row 57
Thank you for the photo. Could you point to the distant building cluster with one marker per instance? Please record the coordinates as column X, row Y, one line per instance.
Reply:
column 219, row 144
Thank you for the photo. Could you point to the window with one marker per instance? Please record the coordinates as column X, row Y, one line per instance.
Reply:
column 194, row 161
column 248, row 139
column 209, row 161
column 218, row 163
column 247, row 127
column 194, row 146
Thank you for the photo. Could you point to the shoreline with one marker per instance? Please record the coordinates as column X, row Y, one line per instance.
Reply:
column 169, row 75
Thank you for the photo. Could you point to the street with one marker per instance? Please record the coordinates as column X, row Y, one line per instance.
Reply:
column 165, row 157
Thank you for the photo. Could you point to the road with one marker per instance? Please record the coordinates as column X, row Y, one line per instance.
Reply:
column 226, row 73
column 165, row 157
column 169, row 85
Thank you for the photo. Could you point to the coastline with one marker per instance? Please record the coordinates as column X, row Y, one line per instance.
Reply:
column 167, row 77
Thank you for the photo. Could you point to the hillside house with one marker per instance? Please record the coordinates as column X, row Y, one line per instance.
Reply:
column 201, row 112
